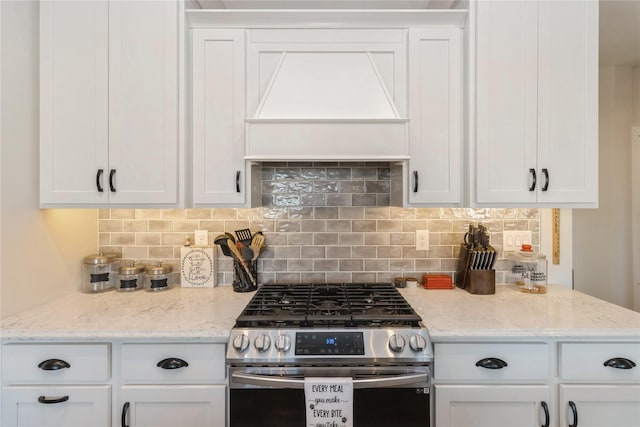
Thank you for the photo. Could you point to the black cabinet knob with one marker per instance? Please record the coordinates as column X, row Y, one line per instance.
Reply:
column 491, row 363
column 53, row 365
column 172, row 363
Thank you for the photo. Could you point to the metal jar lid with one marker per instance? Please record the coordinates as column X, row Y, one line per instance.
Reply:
column 158, row 269
column 131, row 269
column 100, row 258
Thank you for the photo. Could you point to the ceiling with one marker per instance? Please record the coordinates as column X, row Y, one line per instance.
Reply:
column 619, row 32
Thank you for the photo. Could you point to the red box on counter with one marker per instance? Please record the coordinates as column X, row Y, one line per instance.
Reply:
column 437, row 281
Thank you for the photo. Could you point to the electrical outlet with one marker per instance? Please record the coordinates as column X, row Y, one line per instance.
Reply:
column 202, row 237
column 512, row 240
column 422, row 240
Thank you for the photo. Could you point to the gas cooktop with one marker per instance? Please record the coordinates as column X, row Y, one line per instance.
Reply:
column 327, row 305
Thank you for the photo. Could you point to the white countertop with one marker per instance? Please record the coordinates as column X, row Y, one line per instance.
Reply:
column 187, row 313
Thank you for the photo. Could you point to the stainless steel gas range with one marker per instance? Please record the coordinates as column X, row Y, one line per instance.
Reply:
column 365, row 331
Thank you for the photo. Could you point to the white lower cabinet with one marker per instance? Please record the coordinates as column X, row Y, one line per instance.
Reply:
column 492, row 405
column 114, row 384
column 56, row 406
column 492, row 384
column 174, row 405
column 173, row 384
column 600, row 405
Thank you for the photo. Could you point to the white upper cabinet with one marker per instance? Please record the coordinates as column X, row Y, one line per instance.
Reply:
column 435, row 112
column 536, row 109
column 109, row 103
column 218, row 70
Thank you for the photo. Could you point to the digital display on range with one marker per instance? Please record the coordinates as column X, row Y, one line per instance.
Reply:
column 329, row 343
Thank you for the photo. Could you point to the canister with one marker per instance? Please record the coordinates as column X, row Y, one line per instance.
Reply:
column 158, row 277
column 529, row 270
column 131, row 277
column 99, row 272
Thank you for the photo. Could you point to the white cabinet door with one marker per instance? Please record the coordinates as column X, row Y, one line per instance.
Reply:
column 170, row 406
column 492, row 405
column 568, row 102
column 435, row 113
column 74, row 56
column 536, row 103
column 506, row 101
column 600, row 405
column 71, row 406
column 109, row 101
column 143, row 101
column 218, row 79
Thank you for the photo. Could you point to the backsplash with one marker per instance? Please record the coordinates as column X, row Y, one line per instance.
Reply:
column 323, row 222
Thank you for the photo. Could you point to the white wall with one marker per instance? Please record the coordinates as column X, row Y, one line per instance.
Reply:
column 41, row 251
column 602, row 238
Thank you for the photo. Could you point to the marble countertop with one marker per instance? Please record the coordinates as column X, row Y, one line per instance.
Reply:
column 187, row 313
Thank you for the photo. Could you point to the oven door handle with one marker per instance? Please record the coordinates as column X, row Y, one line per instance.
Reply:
column 295, row 382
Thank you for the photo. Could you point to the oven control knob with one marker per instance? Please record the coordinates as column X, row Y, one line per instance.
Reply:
column 240, row 342
column 417, row 343
column 262, row 342
column 396, row 343
column 283, row 343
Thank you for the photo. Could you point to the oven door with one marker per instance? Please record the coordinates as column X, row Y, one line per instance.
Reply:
column 383, row 396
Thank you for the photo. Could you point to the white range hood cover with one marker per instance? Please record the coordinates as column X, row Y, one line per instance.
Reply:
column 331, row 85
column 332, row 105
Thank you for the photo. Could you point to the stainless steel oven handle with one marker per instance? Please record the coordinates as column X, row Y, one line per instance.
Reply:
column 294, row 382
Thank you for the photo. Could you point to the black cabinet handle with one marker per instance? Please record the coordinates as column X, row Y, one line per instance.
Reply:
column 112, row 175
column 237, row 181
column 491, row 363
column 415, row 181
column 172, row 363
column 574, row 411
column 123, row 418
column 49, row 401
column 545, row 408
column 620, row 363
column 53, row 365
column 545, row 172
column 535, row 179
column 98, row 180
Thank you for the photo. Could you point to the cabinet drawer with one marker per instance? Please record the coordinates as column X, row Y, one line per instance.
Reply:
column 204, row 363
column 524, row 361
column 60, row 363
column 69, row 406
column 586, row 361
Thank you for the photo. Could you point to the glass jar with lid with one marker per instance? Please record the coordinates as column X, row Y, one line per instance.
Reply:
column 158, row 277
column 99, row 272
column 131, row 277
column 529, row 270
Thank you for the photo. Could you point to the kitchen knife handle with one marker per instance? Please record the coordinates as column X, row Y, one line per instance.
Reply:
column 237, row 181
column 49, row 401
column 545, row 408
column 415, row 181
column 533, row 183
column 491, row 363
column 172, row 363
column 112, row 175
column 574, row 411
column 620, row 363
column 546, row 179
column 123, row 418
column 53, row 365
column 98, row 180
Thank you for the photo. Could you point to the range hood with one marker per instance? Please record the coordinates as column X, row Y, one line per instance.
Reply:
column 337, row 102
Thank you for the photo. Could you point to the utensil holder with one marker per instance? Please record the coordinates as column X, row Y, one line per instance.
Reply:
column 241, row 281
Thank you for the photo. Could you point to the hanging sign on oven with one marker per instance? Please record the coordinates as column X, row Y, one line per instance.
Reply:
column 329, row 401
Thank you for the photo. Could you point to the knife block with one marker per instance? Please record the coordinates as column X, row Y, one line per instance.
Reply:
column 479, row 282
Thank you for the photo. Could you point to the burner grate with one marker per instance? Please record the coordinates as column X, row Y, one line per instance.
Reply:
column 327, row 305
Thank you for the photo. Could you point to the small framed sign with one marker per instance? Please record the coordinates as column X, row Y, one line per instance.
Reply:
column 198, row 267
